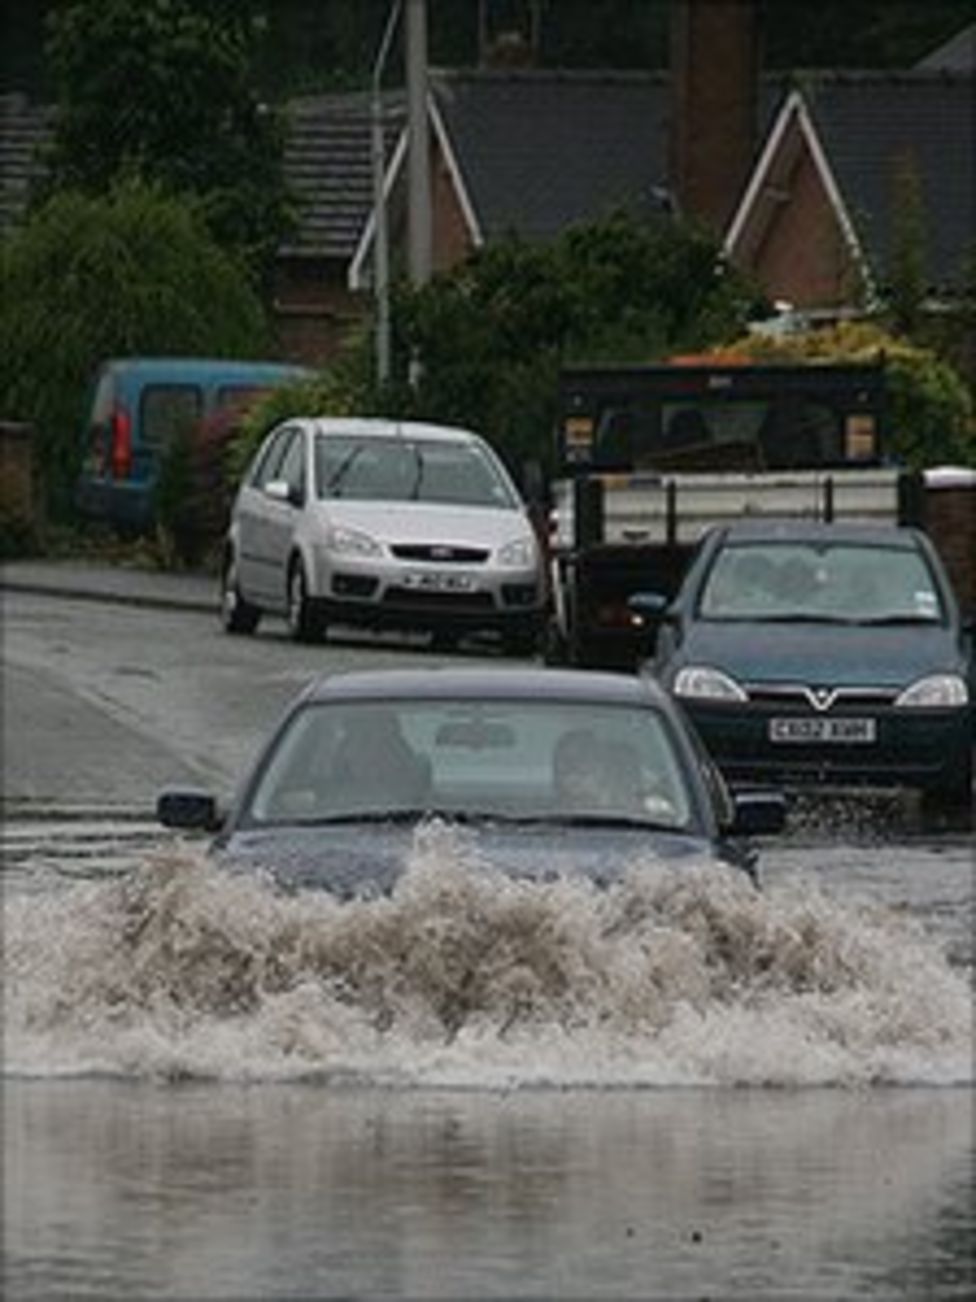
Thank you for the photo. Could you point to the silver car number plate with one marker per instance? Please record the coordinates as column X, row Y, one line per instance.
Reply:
column 438, row 581
column 849, row 731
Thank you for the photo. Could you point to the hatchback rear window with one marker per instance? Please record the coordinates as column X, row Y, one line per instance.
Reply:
column 169, row 410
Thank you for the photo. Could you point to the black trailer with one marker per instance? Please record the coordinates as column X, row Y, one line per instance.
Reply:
column 649, row 456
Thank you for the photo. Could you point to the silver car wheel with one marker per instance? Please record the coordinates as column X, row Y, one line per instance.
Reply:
column 305, row 623
column 236, row 614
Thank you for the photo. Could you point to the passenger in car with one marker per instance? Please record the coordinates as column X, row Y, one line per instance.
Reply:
column 591, row 773
column 375, row 764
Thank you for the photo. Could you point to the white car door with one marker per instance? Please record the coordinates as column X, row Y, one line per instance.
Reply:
column 283, row 512
column 254, row 514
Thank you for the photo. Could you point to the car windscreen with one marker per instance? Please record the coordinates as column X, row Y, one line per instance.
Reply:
column 850, row 582
column 518, row 759
column 401, row 469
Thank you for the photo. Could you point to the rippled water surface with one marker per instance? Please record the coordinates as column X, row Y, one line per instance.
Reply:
column 675, row 1087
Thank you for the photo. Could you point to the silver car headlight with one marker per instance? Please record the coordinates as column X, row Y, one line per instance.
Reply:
column 517, row 554
column 935, row 689
column 702, row 683
column 350, row 542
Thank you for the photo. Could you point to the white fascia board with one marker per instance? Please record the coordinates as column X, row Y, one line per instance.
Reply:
column 457, row 180
column 355, row 278
column 795, row 106
column 760, row 172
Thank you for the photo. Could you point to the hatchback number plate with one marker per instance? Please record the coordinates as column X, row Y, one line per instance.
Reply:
column 438, row 581
column 843, row 731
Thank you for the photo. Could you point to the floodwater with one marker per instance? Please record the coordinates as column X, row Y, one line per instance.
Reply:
column 677, row 1087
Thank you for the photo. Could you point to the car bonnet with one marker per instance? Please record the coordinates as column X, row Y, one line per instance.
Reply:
column 885, row 655
column 352, row 859
column 427, row 522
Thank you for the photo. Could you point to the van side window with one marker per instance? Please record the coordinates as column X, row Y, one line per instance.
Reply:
column 169, row 410
column 235, row 399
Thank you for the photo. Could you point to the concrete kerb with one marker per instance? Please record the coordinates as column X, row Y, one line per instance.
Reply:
column 79, row 581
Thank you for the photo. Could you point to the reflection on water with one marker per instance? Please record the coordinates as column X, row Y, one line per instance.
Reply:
column 120, row 1189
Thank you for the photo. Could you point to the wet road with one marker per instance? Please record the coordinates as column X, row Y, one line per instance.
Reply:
column 201, row 1098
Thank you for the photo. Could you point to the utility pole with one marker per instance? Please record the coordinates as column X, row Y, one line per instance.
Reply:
column 381, row 242
column 418, row 196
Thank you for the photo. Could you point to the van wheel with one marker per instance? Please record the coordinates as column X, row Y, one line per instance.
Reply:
column 305, row 621
column 236, row 614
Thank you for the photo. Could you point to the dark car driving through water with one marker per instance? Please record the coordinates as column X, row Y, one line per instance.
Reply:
column 551, row 772
column 822, row 653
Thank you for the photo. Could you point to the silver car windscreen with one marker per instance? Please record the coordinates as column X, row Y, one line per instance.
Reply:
column 400, row 469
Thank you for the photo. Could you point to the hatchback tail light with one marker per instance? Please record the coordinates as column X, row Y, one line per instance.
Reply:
column 121, row 443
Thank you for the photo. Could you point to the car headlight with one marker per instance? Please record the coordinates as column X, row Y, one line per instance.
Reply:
column 350, row 542
column 935, row 689
column 702, row 683
column 517, row 553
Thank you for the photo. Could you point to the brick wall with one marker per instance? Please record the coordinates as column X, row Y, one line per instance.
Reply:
column 714, row 67
column 950, row 518
column 20, row 498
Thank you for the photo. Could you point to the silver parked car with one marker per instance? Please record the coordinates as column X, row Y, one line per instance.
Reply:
column 383, row 524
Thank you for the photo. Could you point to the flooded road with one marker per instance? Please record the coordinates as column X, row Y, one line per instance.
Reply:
column 670, row 1089
column 677, row 1087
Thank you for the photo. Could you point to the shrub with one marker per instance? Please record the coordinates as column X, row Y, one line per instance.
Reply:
column 932, row 416
column 85, row 279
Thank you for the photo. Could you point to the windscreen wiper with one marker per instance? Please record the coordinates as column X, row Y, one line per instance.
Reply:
column 894, row 620
column 333, row 483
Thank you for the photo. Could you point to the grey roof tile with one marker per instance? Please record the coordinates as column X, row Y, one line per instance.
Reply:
column 869, row 122
column 540, row 150
column 328, row 163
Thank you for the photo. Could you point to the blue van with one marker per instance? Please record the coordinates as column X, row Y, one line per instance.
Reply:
column 138, row 405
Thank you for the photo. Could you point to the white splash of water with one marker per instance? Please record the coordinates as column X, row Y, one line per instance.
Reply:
column 467, row 978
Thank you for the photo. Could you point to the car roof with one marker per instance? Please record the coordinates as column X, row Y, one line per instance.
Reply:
column 776, row 529
column 378, row 427
column 202, row 367
column 530, row 683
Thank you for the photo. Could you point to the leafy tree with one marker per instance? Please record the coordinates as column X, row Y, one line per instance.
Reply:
column 163, row 90
column 491, row 335
column 907, row 280
column 132, row 272
column 932, row 415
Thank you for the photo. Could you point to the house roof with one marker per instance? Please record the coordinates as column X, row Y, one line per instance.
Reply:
column 23, row 128
column 868, row 124
column 532, row 151
column 957, row 54
column 328, row 164
column 539, row 150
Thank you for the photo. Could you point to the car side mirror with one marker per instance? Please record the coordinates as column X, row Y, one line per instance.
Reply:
column 758, row 813
column 648, row 608
column 279, row 490
column 189, row 810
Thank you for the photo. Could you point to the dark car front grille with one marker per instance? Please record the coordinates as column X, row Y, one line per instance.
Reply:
column 805, row 697
column 440, row 553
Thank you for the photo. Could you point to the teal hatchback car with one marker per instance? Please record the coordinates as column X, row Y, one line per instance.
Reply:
column 832, row 654
column 138, row 404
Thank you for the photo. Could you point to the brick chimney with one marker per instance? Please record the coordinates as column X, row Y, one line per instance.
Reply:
column 714, row 89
